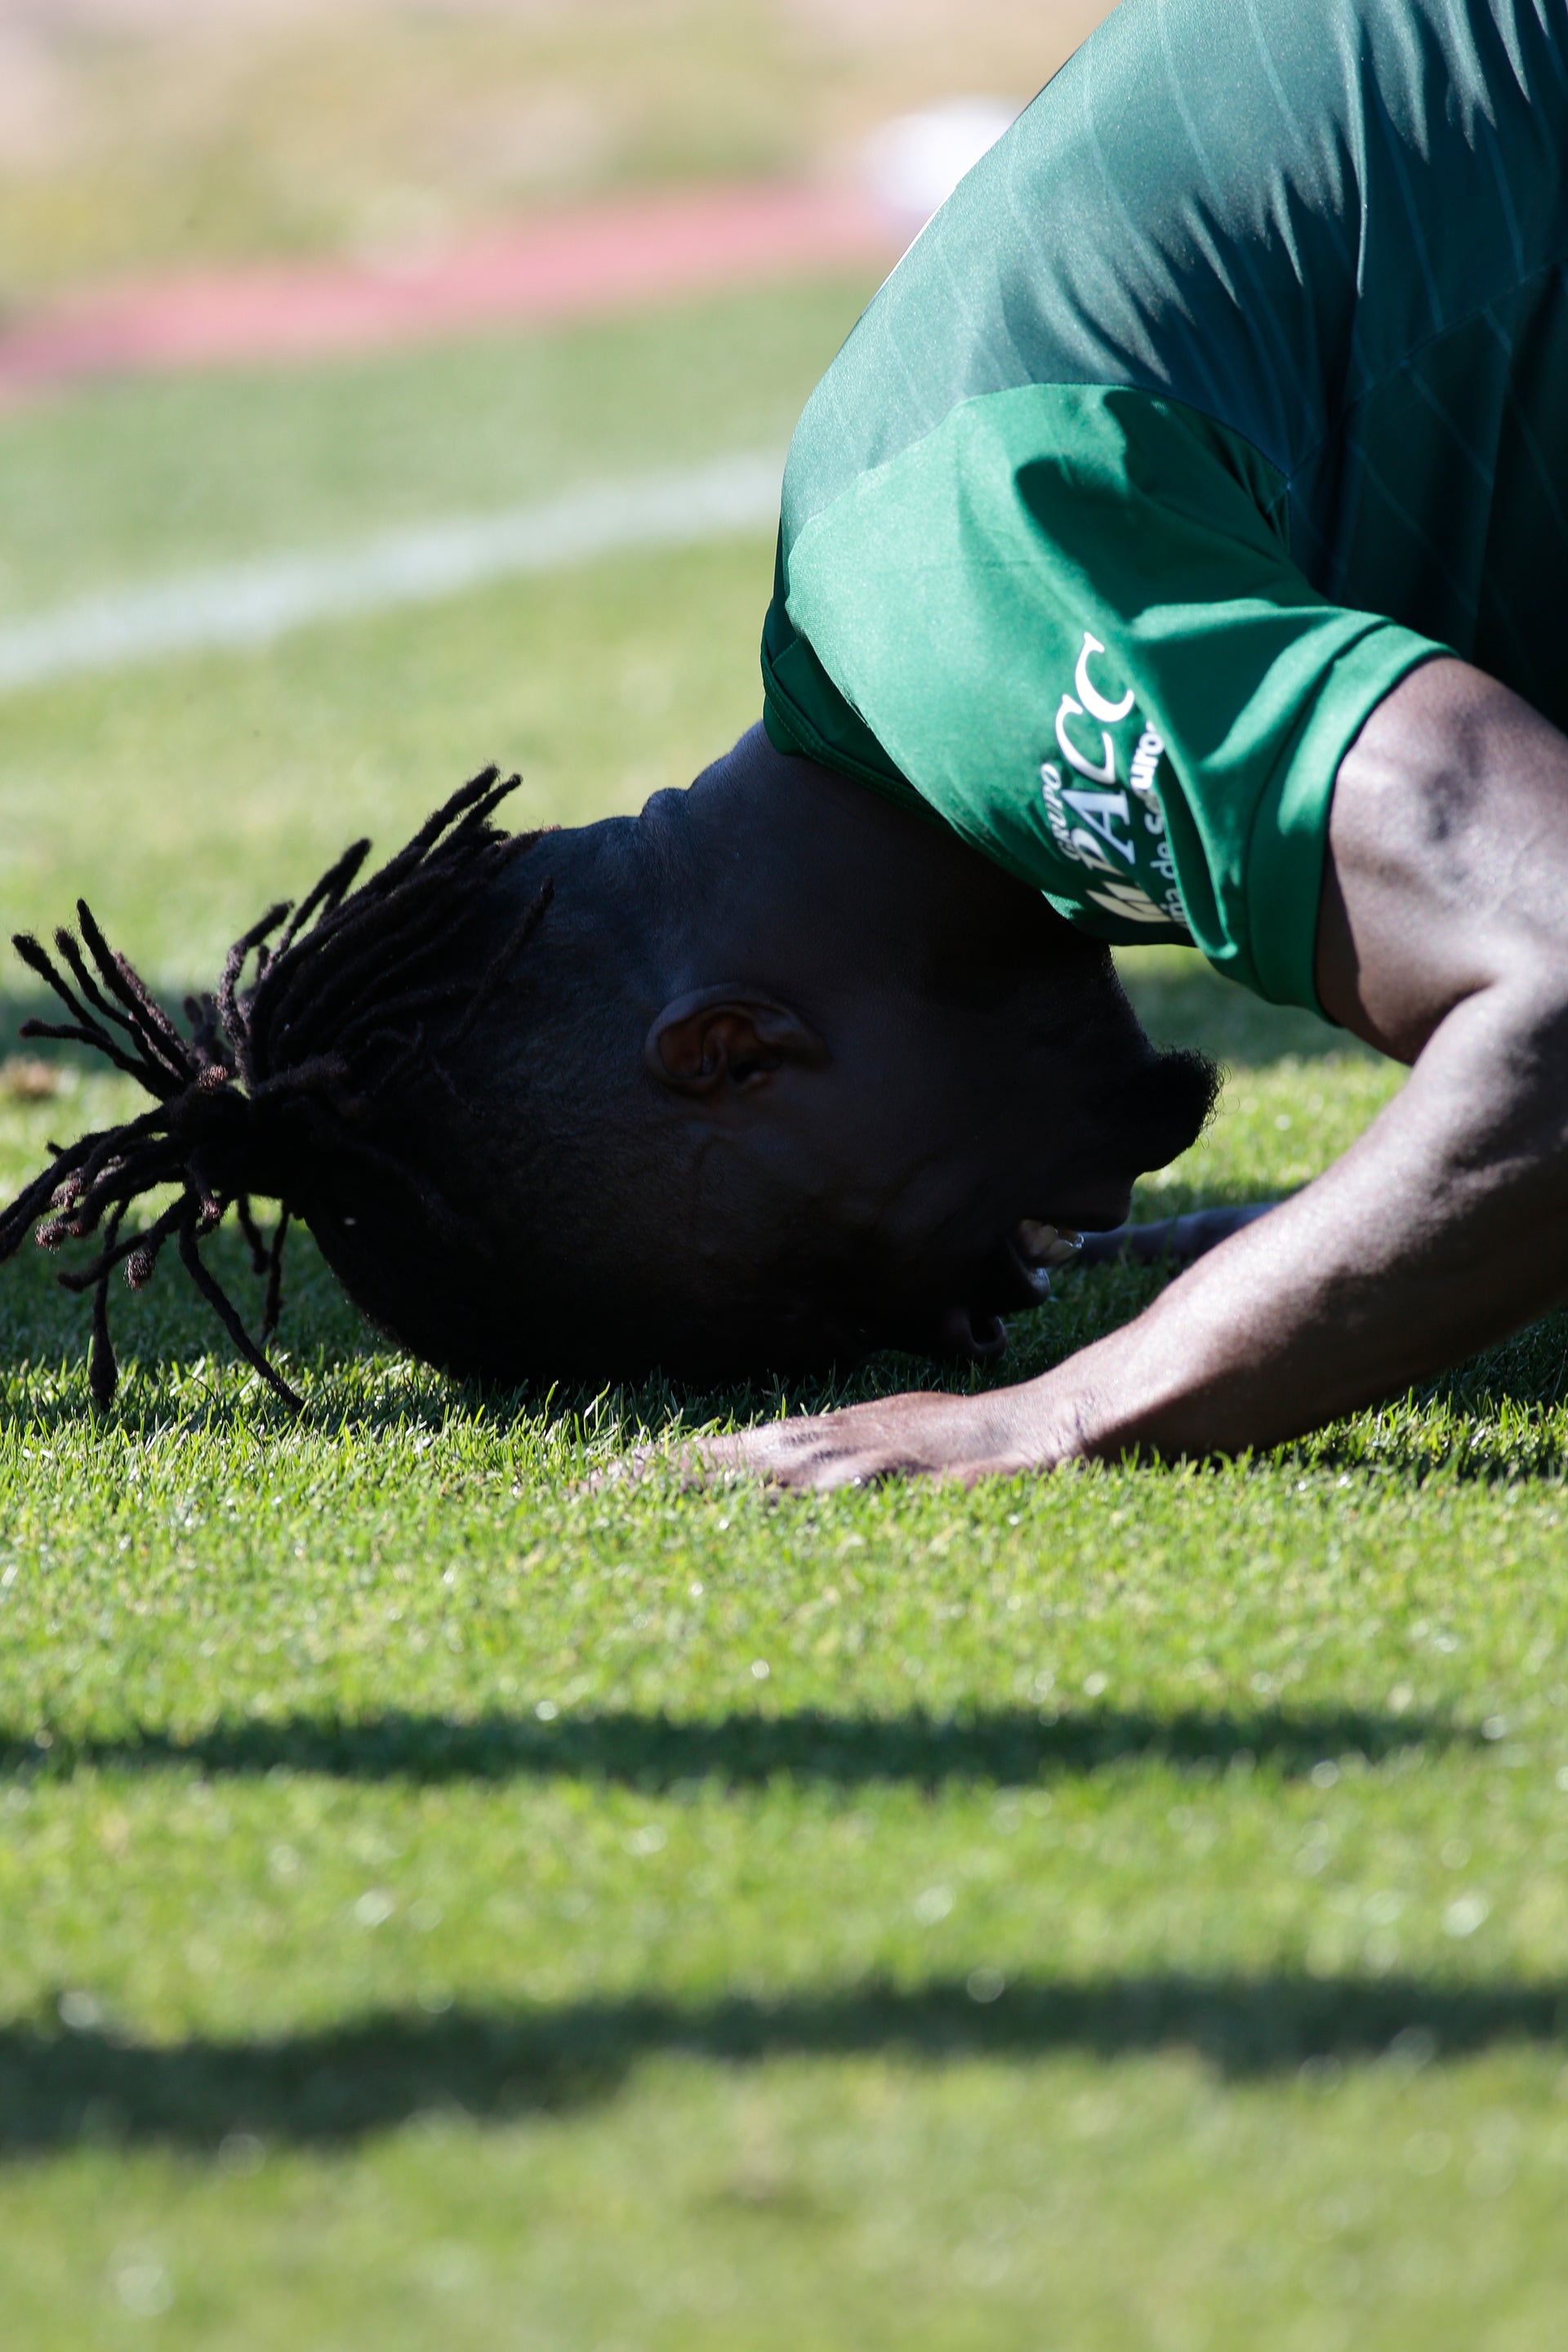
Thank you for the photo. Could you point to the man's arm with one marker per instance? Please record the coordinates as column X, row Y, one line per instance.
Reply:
column 1442, row 939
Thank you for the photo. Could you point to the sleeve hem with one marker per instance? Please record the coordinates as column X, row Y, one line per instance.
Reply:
column 1290, row 835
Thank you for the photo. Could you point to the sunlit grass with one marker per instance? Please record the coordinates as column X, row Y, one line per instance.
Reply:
column 449, row 1898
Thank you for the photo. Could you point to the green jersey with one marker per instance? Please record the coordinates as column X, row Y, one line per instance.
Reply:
column 1230, row 386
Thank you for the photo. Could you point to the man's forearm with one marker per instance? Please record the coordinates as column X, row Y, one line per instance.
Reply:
column 1442, row 1229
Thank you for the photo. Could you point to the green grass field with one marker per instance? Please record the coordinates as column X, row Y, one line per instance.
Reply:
column 446, row 1903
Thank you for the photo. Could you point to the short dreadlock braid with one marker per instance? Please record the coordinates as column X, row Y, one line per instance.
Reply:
column 275, row 1079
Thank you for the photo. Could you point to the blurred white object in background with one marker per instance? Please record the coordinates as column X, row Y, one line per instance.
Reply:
column 913, row 164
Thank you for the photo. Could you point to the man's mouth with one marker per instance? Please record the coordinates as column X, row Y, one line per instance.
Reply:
column 1022, row 1273
column 1037, row 1248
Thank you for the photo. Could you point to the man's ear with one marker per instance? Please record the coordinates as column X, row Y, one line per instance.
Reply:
column 721, row 1038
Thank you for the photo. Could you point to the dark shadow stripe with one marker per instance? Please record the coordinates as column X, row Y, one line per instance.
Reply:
column 1000, row 1746
column 58, row 2088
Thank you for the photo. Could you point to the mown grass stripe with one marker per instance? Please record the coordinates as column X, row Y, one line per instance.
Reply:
column 253, row 604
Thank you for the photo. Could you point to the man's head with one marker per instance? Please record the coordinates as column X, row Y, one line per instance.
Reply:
column 783, row 1073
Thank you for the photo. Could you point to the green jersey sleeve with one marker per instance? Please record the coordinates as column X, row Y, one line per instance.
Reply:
column 1067, row 621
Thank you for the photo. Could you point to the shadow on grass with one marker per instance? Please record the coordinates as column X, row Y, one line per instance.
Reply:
column 60, row 2087
column 1496, row 1419
column 1003, row 1746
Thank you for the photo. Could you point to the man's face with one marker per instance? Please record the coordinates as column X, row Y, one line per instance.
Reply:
column 963, row 1075
column 908, row 1191
column 1033, row 1123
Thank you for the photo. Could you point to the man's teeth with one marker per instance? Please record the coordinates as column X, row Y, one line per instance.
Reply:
column 1042, row 1244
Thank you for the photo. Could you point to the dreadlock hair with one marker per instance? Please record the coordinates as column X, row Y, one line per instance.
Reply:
column 295, row 1086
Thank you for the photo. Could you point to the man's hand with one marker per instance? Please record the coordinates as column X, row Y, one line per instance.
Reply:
column 919, row 1435
column 1442, row 939
column 961, row 1437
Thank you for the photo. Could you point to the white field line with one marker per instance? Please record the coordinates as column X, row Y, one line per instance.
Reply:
column 247, row 604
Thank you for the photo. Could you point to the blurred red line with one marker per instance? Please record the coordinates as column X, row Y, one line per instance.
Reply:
column 589, row 263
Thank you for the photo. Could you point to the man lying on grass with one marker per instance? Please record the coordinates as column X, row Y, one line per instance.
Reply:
column 1178, row 550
